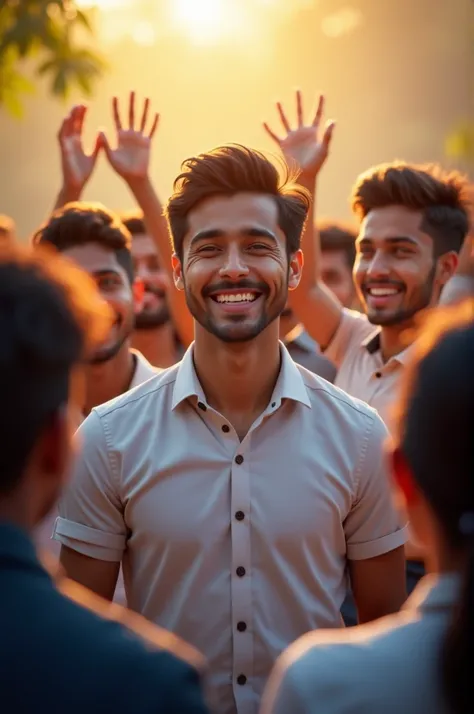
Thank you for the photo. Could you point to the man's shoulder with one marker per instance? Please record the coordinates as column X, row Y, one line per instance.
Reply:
column 156, row 388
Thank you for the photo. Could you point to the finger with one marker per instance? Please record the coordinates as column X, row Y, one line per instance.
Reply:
column 104, row 143
column 116, row 113
column 65, row 128
column 79, row 116
column 328, row 132
column 283, row 118
column 319, row 111
column 271, row 133
column 299, row 107
column 154, row 126
column 99, row 144
column 144, row 115
column 131, row 111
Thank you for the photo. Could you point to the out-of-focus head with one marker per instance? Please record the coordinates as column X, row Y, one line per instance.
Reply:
column 337, row 259
column 96, row 240
column 413, row 223
column 154, row 310
column 7, row 229
column 50, row 317
column 236, row 225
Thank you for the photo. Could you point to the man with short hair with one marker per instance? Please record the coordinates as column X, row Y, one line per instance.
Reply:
column 154, row 334
column 7, row 229
column 236, row 487
column 62, row 648
column 337, row 260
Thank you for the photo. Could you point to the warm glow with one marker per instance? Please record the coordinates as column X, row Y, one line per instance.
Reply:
column 103, row 4
column 204, row 20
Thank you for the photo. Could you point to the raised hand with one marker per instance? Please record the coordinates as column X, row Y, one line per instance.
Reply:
column 131, row 157
column 304, row 145
column 77, row 164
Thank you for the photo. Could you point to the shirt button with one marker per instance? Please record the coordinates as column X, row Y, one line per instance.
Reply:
column 241, row 626
column 202, row 406
column 239, row 459
column 378, row 374
column 240, row 515
column 225, row 429
column 241, row 679
column 273, row 404
column 240, row 571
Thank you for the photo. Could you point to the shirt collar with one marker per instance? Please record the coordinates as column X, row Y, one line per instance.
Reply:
column 435, row 592
column 372, row 345
column 299, row 337
column 143, row 370
column 290, row 383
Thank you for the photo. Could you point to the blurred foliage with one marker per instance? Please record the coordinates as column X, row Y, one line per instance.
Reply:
column 45, row 38
column 460, row 142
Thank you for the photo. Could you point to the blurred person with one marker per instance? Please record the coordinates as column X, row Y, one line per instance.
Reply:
column 302, row 348
column 7, row 229
column 154, row 334
column 235, row 487
column 337, row 260
column 419, row 660
column 413, row 222
column 61, row 647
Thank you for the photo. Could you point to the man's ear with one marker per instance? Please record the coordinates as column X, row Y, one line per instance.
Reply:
column 446, row 267
column 177, row 272
column 295, row 269
column 403, row 476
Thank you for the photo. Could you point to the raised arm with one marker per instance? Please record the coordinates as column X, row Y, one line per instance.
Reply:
column 306, row 148
column 130, row 159
column 77, row 164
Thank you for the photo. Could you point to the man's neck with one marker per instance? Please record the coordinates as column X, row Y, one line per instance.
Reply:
column 238, row 378
column 393, row 339
column 109, row 379
column 157, row 344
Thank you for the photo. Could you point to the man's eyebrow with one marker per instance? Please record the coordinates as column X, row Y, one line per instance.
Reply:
column 103, row 273
column 392, row 241
column 251, row 231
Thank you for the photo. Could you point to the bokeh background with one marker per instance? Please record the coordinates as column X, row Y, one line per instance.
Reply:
column 398, row 76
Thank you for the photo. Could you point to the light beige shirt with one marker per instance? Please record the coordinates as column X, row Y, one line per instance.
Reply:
column 390, row 666
column 238, row 547
column 355, row 350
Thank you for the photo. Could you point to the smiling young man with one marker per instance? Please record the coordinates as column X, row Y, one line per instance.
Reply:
column 236, row 486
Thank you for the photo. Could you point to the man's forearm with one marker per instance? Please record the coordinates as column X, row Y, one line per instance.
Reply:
column 67, row 194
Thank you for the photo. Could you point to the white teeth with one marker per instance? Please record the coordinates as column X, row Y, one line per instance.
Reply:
column 240, row 297
column 382, row 292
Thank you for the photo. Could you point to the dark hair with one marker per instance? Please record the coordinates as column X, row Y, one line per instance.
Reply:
column 340, row 237
column 134, row 222
column 81, row 223
column 7, row 227
column 233, row 169
column 436, row 438
column 50, row 314
column 441, row 197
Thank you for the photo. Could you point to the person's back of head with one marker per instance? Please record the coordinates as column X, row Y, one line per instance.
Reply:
column 436, row 450
column 50, row 314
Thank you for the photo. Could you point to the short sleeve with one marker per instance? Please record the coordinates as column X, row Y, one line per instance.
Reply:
column 373, row 526
column 90, row 512
column 353, row 329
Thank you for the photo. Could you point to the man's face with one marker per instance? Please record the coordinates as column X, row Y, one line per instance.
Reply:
column 337, row 275
column 114, row 286
column 394, row 269
column 154, row 311
column 235, row 270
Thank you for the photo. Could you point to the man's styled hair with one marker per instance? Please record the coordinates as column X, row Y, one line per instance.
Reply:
column 80, row 223
column 7, row 227
column 441, row 197
column 337, row 236
column 50, row 316
column 233, row 169
column 134, row 222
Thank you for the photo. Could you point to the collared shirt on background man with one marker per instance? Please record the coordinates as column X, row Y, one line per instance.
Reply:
column 390, row 665
column 237, row 546
column 305, row 351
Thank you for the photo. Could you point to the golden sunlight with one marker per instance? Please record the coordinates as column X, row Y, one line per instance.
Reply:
column 203, row 20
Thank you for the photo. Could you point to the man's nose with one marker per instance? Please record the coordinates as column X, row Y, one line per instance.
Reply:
column 234, row 266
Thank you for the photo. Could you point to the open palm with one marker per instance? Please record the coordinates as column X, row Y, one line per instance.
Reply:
column 77, row 164
column 131, row 157
column 304, row 144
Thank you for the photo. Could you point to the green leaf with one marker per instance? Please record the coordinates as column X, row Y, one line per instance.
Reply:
column 460, row 143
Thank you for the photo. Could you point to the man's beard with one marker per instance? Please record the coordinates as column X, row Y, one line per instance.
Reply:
column 229, row 332
column 149, row 319
column 105, row 355
column 420, row 301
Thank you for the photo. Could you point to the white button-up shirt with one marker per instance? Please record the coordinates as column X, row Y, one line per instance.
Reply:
column 238, row 547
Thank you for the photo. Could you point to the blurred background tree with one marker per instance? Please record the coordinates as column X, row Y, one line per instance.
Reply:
column 45, row 38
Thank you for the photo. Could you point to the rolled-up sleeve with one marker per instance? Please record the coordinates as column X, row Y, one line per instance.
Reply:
column 353, row 329
column 373, row 525
column 90, row 512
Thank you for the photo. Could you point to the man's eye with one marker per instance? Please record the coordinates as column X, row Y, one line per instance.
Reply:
column 208, row 248
column 402, row 252
column 259, row 246
column 109, row 283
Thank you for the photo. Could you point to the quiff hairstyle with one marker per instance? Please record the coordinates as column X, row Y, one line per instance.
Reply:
column 229, row 170
column 443, row 198
column 80, row 223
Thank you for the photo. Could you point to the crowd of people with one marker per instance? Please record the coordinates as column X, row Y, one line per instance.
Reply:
column 238, row 464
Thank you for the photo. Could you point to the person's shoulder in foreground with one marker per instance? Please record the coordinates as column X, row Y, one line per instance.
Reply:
column 81, row 653
column 383, row 666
